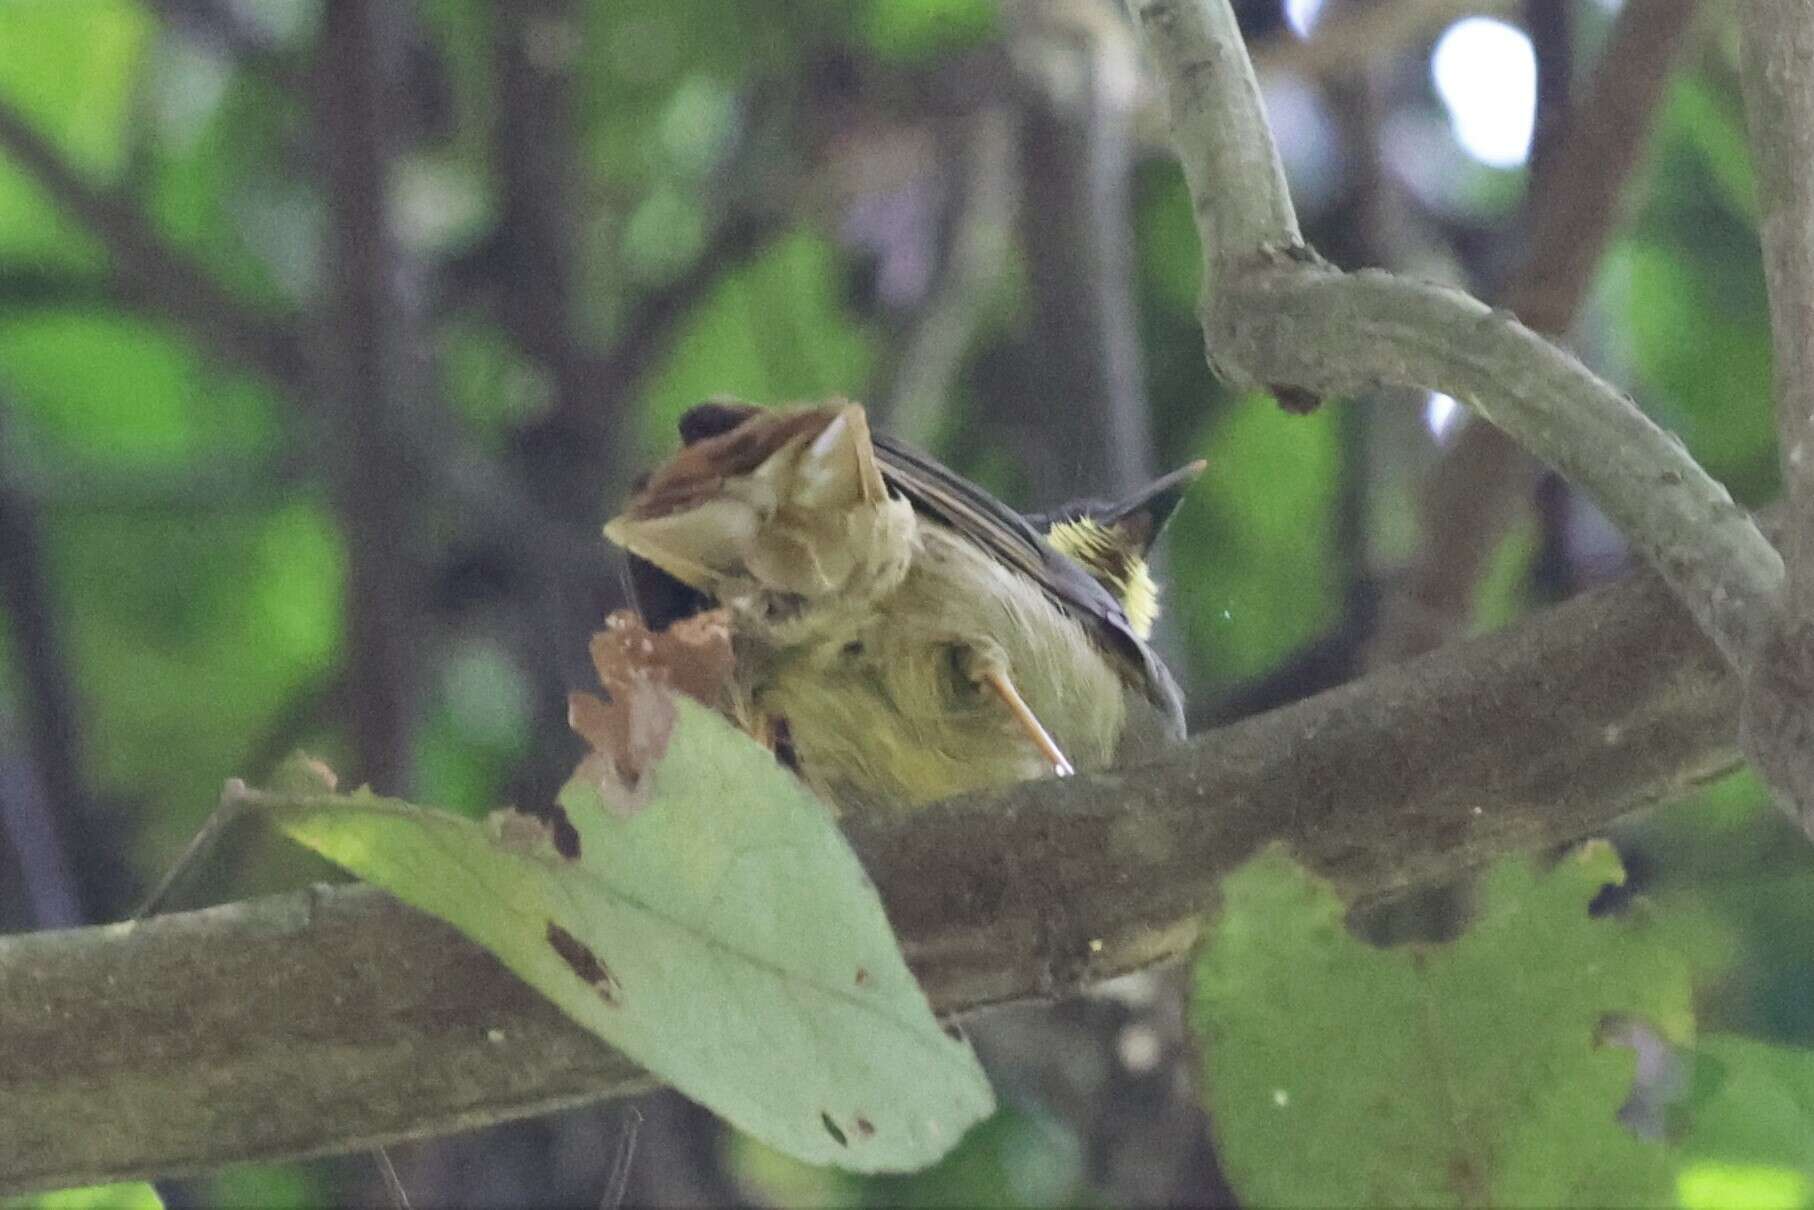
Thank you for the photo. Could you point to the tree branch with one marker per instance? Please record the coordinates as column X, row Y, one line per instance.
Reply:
column 155, row 276
column 375, row 367
column 1236, row 182
column 1484, row 482
column 1085, row 409
column 1776, row 49
column 150, row 267
column 43, row 790
column 915, row 384
column 330, row 1020
column 1275, row 315
column 219, row 23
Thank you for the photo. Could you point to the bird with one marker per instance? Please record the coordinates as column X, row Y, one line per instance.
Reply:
column 900, row 635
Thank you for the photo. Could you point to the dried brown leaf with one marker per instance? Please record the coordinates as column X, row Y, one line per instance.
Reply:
column 639, row 669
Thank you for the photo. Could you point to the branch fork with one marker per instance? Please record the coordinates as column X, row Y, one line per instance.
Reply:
column 1274, row 314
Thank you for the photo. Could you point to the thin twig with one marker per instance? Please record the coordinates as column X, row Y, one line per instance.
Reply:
column 393, row 1184
column 619, row 1180
column 230, row 809
column 153, row 268
column 45, row 788
column 923, row 369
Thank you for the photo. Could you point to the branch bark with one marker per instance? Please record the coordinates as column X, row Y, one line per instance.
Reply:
column 332, row 1020
column 1086, row 415
column 1275, row 315
column 1776, row 49
column 375, row 367
column 43, row 791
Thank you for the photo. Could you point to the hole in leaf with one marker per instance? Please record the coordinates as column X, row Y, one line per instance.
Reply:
column 785, row 754
column 584, row 962
column 566, row 836
column 832, row 1129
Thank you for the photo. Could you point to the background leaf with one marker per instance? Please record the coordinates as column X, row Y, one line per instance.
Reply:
column 1747, row 1130
column 1459, row 1074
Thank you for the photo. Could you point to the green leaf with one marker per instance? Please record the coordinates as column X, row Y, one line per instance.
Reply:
column 918, row 29
column 72, row 69
column 1746, row 1134
column 722, row 934
column 132, row 1195
column 1467, row 1073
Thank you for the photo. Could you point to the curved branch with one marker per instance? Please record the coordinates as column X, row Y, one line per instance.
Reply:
column 1237, row 183
column 1283, row 320
column 333, row 1020
column 1334, row 333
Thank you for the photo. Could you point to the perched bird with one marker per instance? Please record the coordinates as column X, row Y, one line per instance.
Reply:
column 901, row 635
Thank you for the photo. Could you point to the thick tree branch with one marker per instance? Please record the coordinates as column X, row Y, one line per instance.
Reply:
column 375, row 366
column 1275, row 316
column 1776, row 47
column 331, row 1020
column 1236, row 181
column 1085, row 413
column 1338, row 334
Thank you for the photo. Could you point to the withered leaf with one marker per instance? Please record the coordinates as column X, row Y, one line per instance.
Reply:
column 638, row 668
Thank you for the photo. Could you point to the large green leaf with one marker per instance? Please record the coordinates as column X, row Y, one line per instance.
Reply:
column 1470, row 1073
column 713, row 925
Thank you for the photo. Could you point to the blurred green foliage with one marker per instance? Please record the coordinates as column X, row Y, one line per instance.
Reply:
column 197, row 569
column 127, row 1196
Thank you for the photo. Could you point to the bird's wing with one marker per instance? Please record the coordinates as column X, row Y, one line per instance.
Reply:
column 952, row 499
